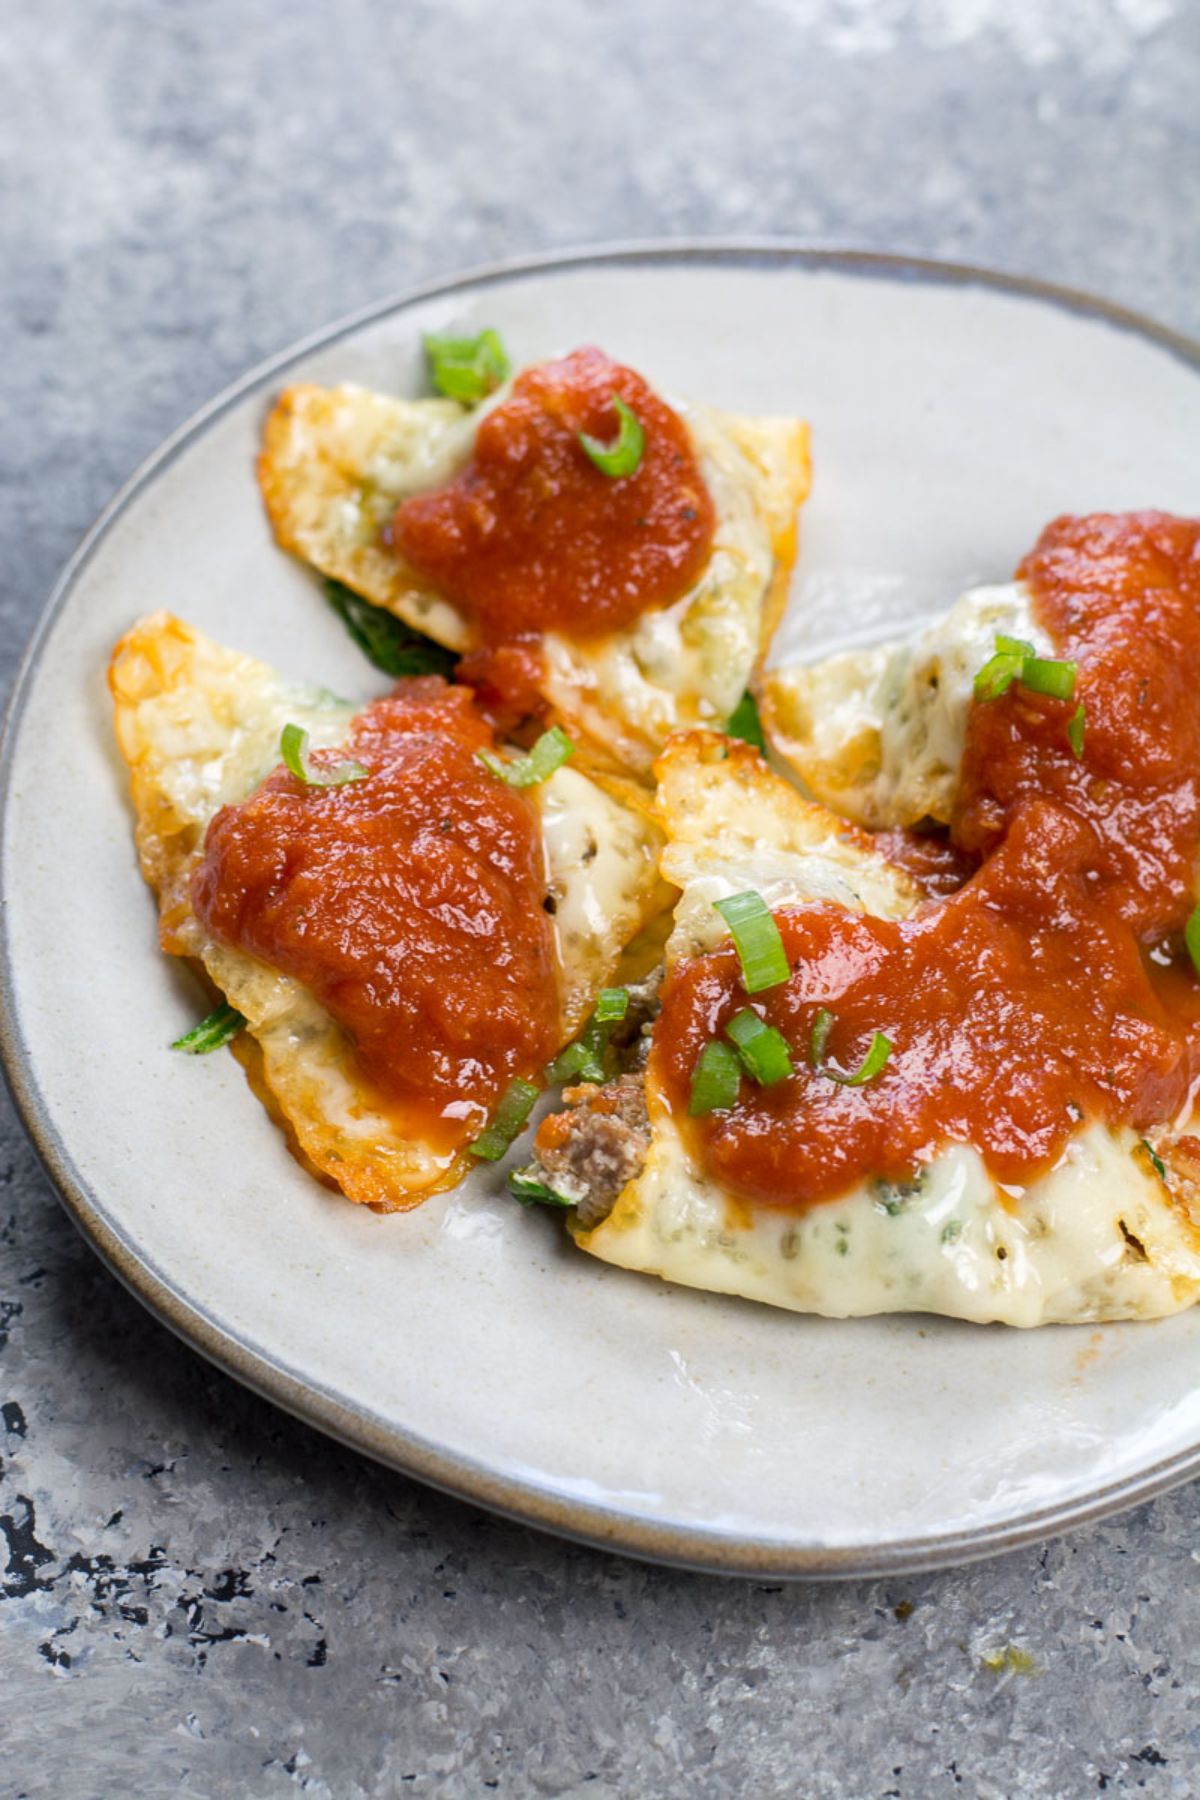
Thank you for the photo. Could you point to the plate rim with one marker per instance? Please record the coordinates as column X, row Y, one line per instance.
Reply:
column 525, row 1500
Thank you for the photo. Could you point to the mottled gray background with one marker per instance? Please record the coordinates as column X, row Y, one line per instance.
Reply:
column 201, row 1597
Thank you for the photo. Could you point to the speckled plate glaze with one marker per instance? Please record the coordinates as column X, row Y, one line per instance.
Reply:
column 467, row 1343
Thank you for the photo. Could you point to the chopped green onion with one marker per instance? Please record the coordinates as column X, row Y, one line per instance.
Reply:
column 585, row 1057
column 384, row 639
column 624, row 454
column 1076, row 725
column 524, row 1186
column 1160, row 1167
column 878, row 1051
column 997, row 675
column 763, row 1050
column 744, row 722
column 293, row 747
column 1043, row 675
column 715, row 1080
column 822, row 1026
column 466, row 368
column 549, row 753
column 1191, row 937
column 221, row 1024
column 1017, row 660
column 508, row 1120
column 756, row 935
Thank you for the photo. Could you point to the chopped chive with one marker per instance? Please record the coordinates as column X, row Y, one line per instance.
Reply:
column 1076, row 726
column 763, row 1050
column 1011, row 646
column 508, row 1120
column 293, row 747
column 466, row 368
column 715, row 1080
column 611, row 1004
column 624, row 454
column 384, row 639
column 1160, row 1167
column 756, row 935
column 822, row 1026
column 1191, row 937
column 223, row 1023
column 548, row 754
column 1046, row 675
column 524, row 1186
column 744, row 722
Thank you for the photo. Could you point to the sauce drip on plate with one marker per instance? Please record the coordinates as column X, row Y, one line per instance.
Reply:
column 1052, row 987
column 409, row 903
column 532, row 537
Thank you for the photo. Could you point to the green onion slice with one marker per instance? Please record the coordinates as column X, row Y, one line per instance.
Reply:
column 467, row 368
column 822, row 1026
column 293, row 747
column 549, row 753
column 223, row 1023
column 508, row 1120
column 1159, row 1166
column 715, row 1080
column 1044, row 675
column 624, row 454
column 756, row 935
column 878, row 1051
column 1017, row 660
column 384, row 639
column 744, row 722
column 1076, row 726
column 611, row 1004
column 585, row 1057
column 524, row 1186
column 763, row 1050
column 1191, row 937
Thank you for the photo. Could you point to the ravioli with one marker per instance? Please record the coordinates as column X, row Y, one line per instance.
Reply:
column 1111, row 1232
column 199, row 726
column 336, row 462
column 877, row 733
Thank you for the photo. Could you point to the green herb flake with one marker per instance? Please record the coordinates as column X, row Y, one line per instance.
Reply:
column 385, row 640
column 624, row 455
column 873, row 1063
column 1191, row 937
column 951, row 1231
column 1076, row 726
column 744, row 722
column 222, row 1024
column 467, row 368
column 1160, row 1167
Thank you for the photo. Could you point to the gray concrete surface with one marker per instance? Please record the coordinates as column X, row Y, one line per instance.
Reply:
column 202, row 1598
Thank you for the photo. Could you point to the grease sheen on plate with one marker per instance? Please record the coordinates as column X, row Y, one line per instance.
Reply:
column 952, row 418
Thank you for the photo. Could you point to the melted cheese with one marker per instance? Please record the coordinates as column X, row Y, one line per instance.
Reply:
column 1101, row 1236
column 878, row 733
column 199, row 726
column 336, row 462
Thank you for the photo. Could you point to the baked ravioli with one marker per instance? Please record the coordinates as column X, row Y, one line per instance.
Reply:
column 409, row 920
column 591, row 552
column 865, row 1094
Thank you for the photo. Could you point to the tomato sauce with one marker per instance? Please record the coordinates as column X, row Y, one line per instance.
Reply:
column 1049, row 990
column 409, row 903
column 531, row 537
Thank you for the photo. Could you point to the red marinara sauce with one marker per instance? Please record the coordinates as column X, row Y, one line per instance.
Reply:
column 1051, row 988
column 531, row 537
column 410, row 904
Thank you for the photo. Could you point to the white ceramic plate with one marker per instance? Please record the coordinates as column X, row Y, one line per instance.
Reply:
column 468, row 1343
